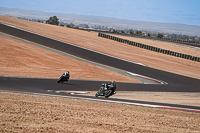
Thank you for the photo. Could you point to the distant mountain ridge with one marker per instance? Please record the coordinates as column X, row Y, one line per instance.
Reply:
column 192, row 30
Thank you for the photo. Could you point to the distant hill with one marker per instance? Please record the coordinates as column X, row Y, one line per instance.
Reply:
column 191, row 30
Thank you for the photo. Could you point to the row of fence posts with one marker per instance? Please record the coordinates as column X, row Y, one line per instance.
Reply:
column 144, row 46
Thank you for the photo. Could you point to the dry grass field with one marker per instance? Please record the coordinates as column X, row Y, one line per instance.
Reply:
column 31, row 113
column 24, row 113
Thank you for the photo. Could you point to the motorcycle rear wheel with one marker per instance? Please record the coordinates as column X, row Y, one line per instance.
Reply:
column 108, row 93
column 59, row 81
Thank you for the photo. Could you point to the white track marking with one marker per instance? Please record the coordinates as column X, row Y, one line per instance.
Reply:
column 148, row 78
column 110, row 101
column 65, row 91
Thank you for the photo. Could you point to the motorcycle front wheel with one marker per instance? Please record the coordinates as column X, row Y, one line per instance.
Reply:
column 97, row 94
column 59, row 81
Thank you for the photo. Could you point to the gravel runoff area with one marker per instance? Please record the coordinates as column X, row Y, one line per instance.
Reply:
column 26, row 113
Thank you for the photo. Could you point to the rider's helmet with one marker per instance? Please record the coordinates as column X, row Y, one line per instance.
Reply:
column 113, row 82
column 67, row 72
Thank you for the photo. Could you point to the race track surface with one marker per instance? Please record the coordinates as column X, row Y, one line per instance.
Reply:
column 176, row 83
column 41, row 86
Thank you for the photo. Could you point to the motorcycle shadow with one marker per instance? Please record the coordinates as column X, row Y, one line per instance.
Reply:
column 67, row 83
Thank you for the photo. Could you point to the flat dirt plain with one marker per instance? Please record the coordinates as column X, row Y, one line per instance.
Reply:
column 25, row 113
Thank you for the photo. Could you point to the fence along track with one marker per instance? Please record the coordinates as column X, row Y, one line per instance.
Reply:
column 151, row 48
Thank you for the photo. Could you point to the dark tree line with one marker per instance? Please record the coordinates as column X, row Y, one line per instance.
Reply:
column 183, row 37
column 53, row 20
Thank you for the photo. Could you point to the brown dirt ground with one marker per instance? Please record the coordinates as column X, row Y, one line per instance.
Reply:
column 34, row 113
column 22, row 113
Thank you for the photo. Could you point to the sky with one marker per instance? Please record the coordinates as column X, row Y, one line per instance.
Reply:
column 167, row 11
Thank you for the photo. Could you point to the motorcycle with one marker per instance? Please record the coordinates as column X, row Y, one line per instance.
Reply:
column 106, row 92
column 62, row 79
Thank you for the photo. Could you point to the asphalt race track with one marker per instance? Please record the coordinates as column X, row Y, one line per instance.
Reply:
column 41, row 86
column 176, row 83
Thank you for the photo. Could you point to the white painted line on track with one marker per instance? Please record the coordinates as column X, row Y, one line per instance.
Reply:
column 148, row 78
column 197, row 48
column 183, row 109
column 10, row 25
column 109, row 101
column 68, row 92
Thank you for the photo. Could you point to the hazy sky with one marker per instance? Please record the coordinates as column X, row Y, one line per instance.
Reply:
column 170, row 11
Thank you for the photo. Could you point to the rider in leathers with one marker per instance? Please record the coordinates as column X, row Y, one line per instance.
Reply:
column 110, row 85
column 66, row 75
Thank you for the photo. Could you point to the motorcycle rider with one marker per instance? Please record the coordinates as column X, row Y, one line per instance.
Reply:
column 66, row 75
column 110, row 85
column 107, row 89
